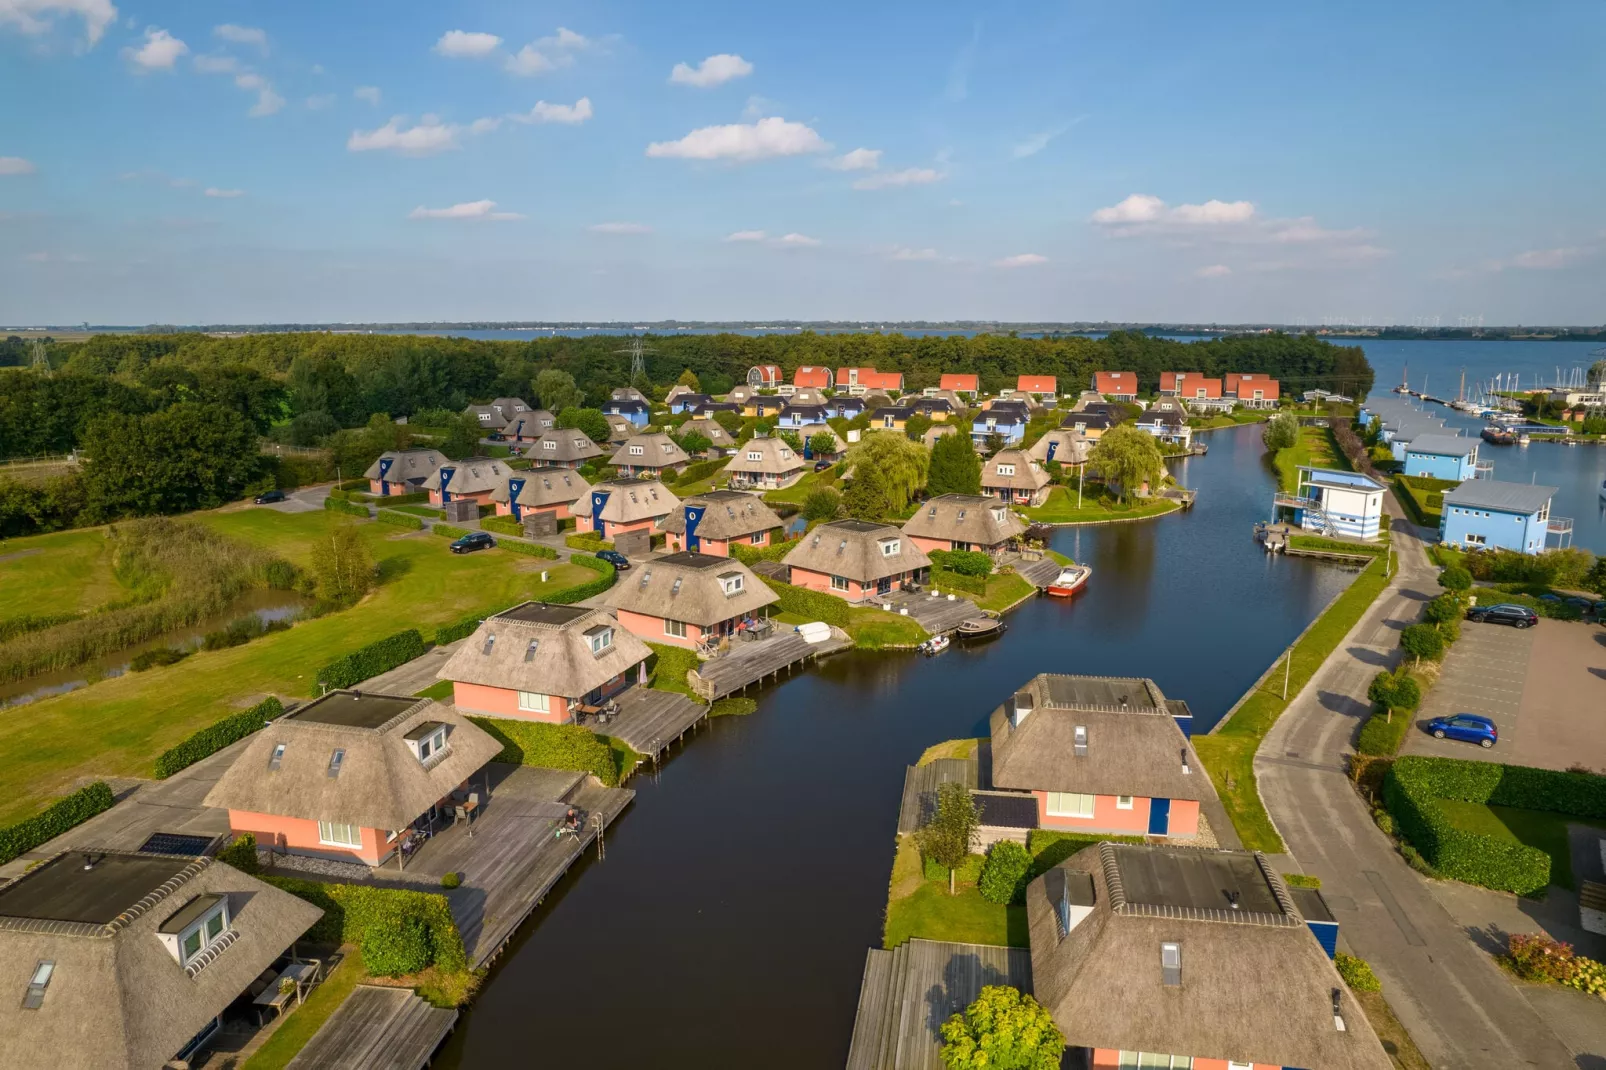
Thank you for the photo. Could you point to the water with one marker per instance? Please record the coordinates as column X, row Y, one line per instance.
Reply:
column 729, row 924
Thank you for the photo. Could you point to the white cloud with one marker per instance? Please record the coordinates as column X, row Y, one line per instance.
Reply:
column 746, row 235
column 565, row 40
column 912, row 176
column 16, row 165
column 765, row 139
column 857, row 160
column 549, row 53
column 1214, row 271
column 757, row 107
column 319, row 101
column 475, row 210
column 619, row 228
column 902, row 253
column 484, row 126
column 268, row 101
column 241, row 35
column 370, row 93
column 427, row 138
column 226, row 194
column 465, row 44
column 1145, row 208
column 715, row 70
column 1138, row 208
column 578, row 112
column 1235, row 223
column 1550, row 259
column 1211, row 212
column 1034, row 144
column 213, row 64
column 35, row 17
column 796, row 240
column 1021, row 260
column 530, row 60
column 159, row 52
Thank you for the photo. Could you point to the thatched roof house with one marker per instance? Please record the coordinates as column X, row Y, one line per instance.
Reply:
column 686, row 598
column 626, row 505
column 116, row 960
column 721, row 518
column 765, row 462
column 855, row 559
column 1065, row 445
column 403, row 470
column 555, row 489
column 496, row 415
column 564, row 447
column 1194, row 952
column 529, row 426
column 963, row 522
column 649, row 454
column 620, row 428
column 474, row 478
column 1015, row 476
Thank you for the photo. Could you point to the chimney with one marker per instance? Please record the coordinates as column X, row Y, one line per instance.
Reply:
column 1022, row 704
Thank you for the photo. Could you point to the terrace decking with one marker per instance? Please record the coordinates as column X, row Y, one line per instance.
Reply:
column 920, row 788
column 377, row 1028
column 750, row 662
column 649, row 721
column 1038, row 573
column 935, row 614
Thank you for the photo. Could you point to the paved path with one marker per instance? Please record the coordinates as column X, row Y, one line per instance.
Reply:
column 1447, row 992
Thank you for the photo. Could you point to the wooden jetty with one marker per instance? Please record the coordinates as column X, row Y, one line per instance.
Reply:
column 751, row 662
column 377, row 1028
column 937, row 614
column 649, row 720
column 1179, row 494
column 1277, row 539
column 1039, row 573
column 920, row 783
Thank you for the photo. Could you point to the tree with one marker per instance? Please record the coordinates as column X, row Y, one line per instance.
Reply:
column 1392, row 691
column 462, row 439
column 1126, row 458
column 193, row 455
column 822, row 443
column 310, row 428
column 343, row 566
column 1280, row 432
column 1422, row 641
column 867, row 496
column 1595, row 578
column 695, row 442
column 955, row 467
column 1002, row 1030
column 730, row 421
column 822, row 504
column 901, row 464
column 953, row 829
column 792, row 439
column 1443, row 609
column 555, row 390
column 1456, row 579
column 917, row 425
column 591, row 421
column 690, row 380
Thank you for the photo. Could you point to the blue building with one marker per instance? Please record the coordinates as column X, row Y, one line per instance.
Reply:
column 1336, row 504
column 1511, row 516
column 1441, row 456
column 687, row 403
column 1007, row 419
column 802, row 415
column 637, row 412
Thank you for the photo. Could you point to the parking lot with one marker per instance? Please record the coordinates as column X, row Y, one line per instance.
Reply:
column 1544, row 688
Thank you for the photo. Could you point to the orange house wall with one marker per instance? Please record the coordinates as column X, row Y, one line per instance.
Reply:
column 300, row 834
column 1108, row 817
column 504, row 702
column 856, row 592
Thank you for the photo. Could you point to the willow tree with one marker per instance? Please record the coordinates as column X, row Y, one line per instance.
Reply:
column 1126, row 458
column 902, row 465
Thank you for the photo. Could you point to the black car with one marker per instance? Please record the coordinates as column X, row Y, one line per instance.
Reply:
column 268, row 497
column 615, row 558
column 820, row 466
column 1504, row 613
column 474, row 540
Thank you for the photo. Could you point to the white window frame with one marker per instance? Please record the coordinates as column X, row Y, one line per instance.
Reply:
column 328, row 832
column 839, row 583
column 1124, row 802
column 676, row 628
column 754, row 455
column 891, row 547
column 731, row 585
column 637, row 451
column 1006, row 469
column 535, row 702
column 602, row 641
column 757, row 538
column 1070, row 804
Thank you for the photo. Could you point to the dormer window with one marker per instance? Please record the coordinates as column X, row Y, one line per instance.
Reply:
column 601, row 639
column 637, row 451
column 890, row 547
column 731, row 583
column 196, row 926
column 1006, row 469
column 754, row 455
column 34, row 997
column 998, row 515
column 580, row 443
column 433, row 743
column 549, row 445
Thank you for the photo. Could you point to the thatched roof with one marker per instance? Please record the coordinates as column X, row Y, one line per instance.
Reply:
column 409, row 466
column 533, row 422
column 627, row 393
column 855, row 549
column 972, row 518
column 655, row 451
column 630, row 500
column 545, row 649
column 1254, row 985
column 936, row 431
column 619, row 428
column 765, row 456
column 1134, row 746
column 117, row 997
column 545, row 486
column 380, row 782
column 1070, row 447
column 691, row 587
column 1028, row 474
column 710, row 430
column 728, row 514
column 471, row 476
column 567, row 444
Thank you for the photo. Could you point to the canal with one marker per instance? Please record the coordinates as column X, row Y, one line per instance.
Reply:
column 729, row 922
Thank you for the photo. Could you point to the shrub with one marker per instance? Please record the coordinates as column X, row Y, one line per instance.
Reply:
column 668, row 667
column 373, row 659
column 752, row 555
column 528, row 549
column 502, row 525
column 1446, row 607
column 732, row 707
column 580, row 592
column 701, row 470
column 63, row 814
column 1301, row 880
column 1357, row 973
column 398, row 950
column 1384, row 820
column 815, row 605
column 352, row 911
column 822, row 504
column 413, row 498
column 1422, row 641
column 161, row 655
column 1537, row 957
column 964, row 562
column 552, row 746
column 589, row 541
column 1002, row 1030
column 1455, row 580
column 1003, row 877
column 451, row 880
column 216, row 736
column 338, row 505
column 448, row 531
column 352, row 484
column 969, row 871
column 401, row 520
column 242, row 854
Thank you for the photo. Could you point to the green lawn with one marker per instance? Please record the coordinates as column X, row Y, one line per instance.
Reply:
column 300, row 1024
column 440, row 691
column 670, row 669
column 70, row 571
column 117, row 727
column 1003, row 591
column 923, row 908
column 1315, row 449
column 1533, row 828
column 810, row 482
column 1061, row 508
column 876, row 629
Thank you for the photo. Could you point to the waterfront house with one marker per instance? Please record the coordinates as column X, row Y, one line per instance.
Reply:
column 541, row 490
column 1041, row 385
column 472, row 480
column 1492, row 513
column 961, row 383
column 765, row 463
column 1014, row 476
column 964, row 522
column 1065, row 445
column 813, row 376
column 344, row 776
column 536, row 662
column 1201, row 393
column 709, row 523
column 402, row 471
column 650, row 455
column 619, row 506
column 1154, row 955
column 1101, row 754
column 1337, row 504
column 863, row 380
column 627, row 393
column 1167, row 421
column 124, row 960
column 528, row 426
column 890, row 417
column 764, row 376
column 688, row 402
column 719, row 438
column 856, row 559
column 563, row 448
column 688, row 598
column 1089, row 423
column 1441, row 456
column 1118, row 386
column 1253, row 390
column 635, row 410
column 1006, row 419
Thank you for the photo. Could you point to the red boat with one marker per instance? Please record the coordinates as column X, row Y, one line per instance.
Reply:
column 1070, row 580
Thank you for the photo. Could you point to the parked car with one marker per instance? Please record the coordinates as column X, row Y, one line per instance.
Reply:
column 1467, row 727
column 614, row 558
column 820, row 466
column 268, row 497
column 474, row 540
column 1504, row 613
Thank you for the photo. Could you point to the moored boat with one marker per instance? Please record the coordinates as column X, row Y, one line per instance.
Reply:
column 1070, row 580
column 980, row 628
column 1498, row 436
column 935, row 645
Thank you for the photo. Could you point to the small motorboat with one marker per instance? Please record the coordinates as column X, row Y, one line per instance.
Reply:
column 1603, row 490
column 1070, row 580
column 980, row 628
column 935, row 645
column 1523, row 440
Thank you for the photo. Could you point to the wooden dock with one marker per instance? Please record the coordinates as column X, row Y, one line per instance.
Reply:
column 920, row 784
column 1039, row 573
column 649, row 721
column 937, row 615
column 377, row 1028
column 751, row 662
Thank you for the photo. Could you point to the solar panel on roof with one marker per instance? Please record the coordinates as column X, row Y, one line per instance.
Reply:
column 174, row 843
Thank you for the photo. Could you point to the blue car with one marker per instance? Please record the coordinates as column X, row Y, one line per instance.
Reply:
column 1467, row 727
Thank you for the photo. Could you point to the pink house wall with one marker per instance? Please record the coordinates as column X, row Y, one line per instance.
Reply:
column 301, row 835
column 856, row 592
column 1108, row 817
column 560, row 510
column 714, row 547
column 483, row 497
column 1110, row 1059
column 651, row 629
column 504, row 702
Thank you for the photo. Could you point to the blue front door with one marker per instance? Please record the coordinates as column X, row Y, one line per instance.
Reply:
column 1159, row 817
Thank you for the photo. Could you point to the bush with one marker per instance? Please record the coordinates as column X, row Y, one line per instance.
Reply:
column 1446, row 607
column 701, row 470
column 1456, row 580
column 528, row 549
column 216, row 736
column 401, row 520
column 751, row 555
column 589, row 541
column 1357, row 973
column 448, row 531
column 968, row 873
column 964, row 562
column 502, row 525
column 161, row 655
column 373, row 659
column 60, row 816
column 397, row 951
column 352, row 484
column 552, row 746
column 815, row 605
column 242, row 854
column 822, row 504
column 580, row 592
column 1381, row 737
column 353, row 911
column 1422, row 641
column 415, row 498
column 1003, row 877
column 947, row 580
column 337, row 505
column 1002, row 1030
column 451, row 880
column 1538, row 958
column 1543, row 607
column 668, row 667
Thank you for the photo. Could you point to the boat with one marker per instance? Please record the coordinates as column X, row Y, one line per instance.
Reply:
column 987, row 627
column 1603, row 490
column 1070, row 580
column 1498, row 436
column 1523, row 439
column 935, row 645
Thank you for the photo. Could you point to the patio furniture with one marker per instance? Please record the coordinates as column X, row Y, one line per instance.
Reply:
column 465, row 811
column 302, row 975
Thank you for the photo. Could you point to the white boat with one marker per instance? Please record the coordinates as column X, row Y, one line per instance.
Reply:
column 935, row 645
column 1523, row 440
column 1070, row 580
column 1603, row 490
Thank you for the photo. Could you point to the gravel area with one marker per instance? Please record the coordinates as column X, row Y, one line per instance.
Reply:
column 284, row 865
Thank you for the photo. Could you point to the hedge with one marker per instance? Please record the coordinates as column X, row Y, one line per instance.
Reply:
column 373, row 659
column 415, row 498
column 588, row 541
column 216, row 736
column 701, row 470
column 529, row 549
column 241, row 853
column 458, row 629
column 583, row 591
column 815, row 605
column 751, row 555
column 449, row 531
column 668, row 667
column 552, row 746
column 335, row 505
column 353, row 484
column 947, row 579
column 964, row 562
column 401, row 520
column 65, row 813
column 1003, row 876
column 502, row 525
column 1336, row 546
column 352, row 912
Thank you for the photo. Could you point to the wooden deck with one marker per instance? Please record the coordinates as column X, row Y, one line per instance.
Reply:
column 749, row 663
column 649, row 721
column 1039, row 573
column 377, row 1028
column 910, row 991
column 935, row 615
column 920, row 788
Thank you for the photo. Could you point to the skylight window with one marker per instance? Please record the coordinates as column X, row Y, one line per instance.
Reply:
column 34, row 998
column 336, row 760
column 529, row 651
column 1080, row 741
column 490, row 642
column 646, row 577
column 675, row 587
column 276, row 757
column 1171, row 964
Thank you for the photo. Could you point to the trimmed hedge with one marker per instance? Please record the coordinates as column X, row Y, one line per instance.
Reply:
column 65, row 813
column 815, row 605
column 585, row 590
column 373, row 659
column 964, row 562
column 241, row 853
column 335, row 505
column 351, row 913
column 353, row 484
column 415, row 498
column 955, row 581
column 458, row 629
column 400, row 520
column 668, row 667
column 529, row 549
column 216, row 736
column 552, row 746
column 449, row 531
column 750, row 555
column 589, row 541
column 502, row 525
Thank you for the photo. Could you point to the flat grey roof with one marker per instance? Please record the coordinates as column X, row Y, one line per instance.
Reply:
column 855, row 525
column 1311, row 905
column 1187, row 877
column 354, row 709
column 544, row 613
column 691, row 559
column 1524, row 498
column 62, row 890
column 1443, row 445
column 1074, row 691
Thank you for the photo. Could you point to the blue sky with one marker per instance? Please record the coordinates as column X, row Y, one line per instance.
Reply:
column 235, row 161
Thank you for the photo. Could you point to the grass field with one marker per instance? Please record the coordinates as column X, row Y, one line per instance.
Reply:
column 920, row 908
column 1061, row 508
column 117, row 727
column 876, row 629
column 1533, row 828
column 70, row 571
column 1315, row 449
column 811, row 481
